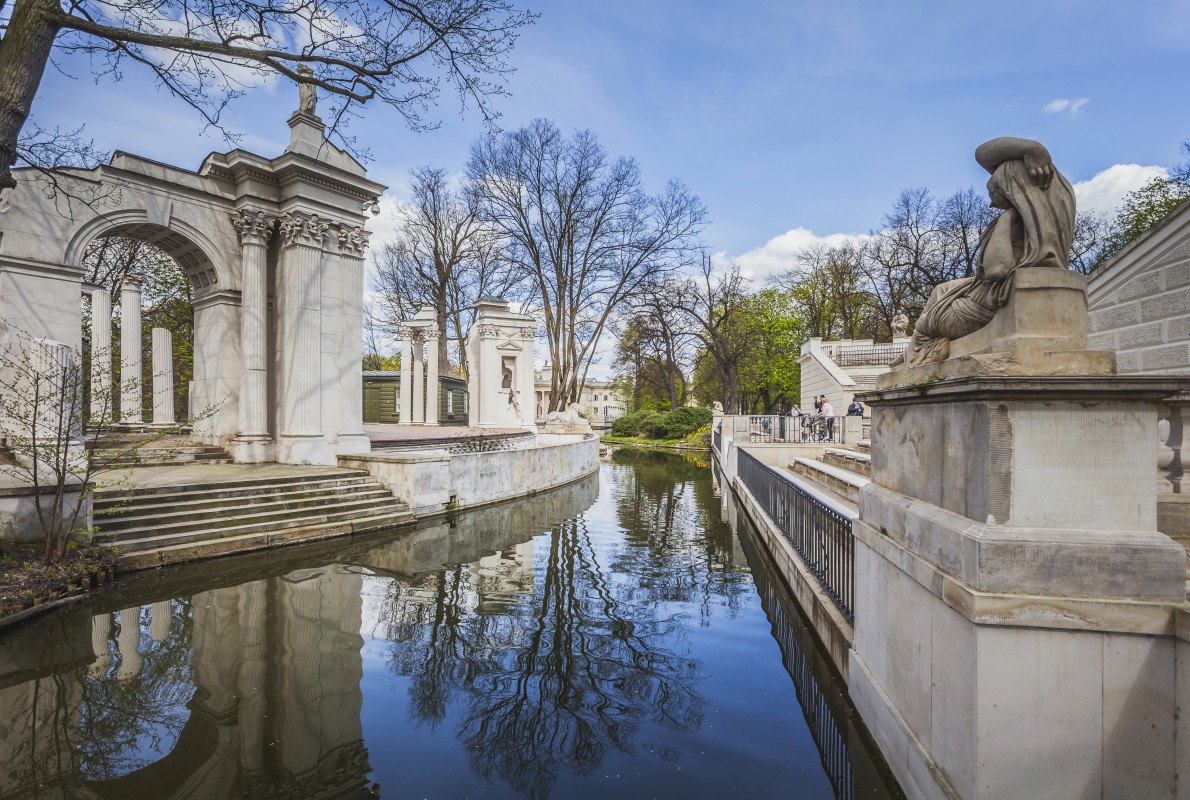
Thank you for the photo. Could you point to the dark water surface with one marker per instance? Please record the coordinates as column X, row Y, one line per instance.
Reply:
column 612, row 639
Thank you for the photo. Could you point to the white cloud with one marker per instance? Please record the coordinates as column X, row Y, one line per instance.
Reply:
column 781, row 252
column 1104, row 192
column 1062, row 105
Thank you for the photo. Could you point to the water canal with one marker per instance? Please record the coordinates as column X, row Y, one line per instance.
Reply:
column 612, row 638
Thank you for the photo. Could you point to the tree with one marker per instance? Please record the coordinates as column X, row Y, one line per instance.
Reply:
column 399, row 53
column 829, row 292
column 715, row 303
column 442, row 257
column 581, row 230
column 45, row 419
column 1141, row 210
column 656, row 348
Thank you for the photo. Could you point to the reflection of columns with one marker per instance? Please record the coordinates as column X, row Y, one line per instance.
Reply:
column 419, row 382
column 299, row 336
column 406, row 399
column 163, row 377
column 101, row 634
column 353, row 241
column 101, row 357
column 159, row 621
column 128, row 644
column 130, row 352
column 254, row 228
column 250, row 686
column 431, row 376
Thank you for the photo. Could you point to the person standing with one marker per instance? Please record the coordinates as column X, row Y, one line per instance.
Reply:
column 827, row 411
column 856, row 409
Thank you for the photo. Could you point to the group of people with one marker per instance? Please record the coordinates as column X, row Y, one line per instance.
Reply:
column 823, row 418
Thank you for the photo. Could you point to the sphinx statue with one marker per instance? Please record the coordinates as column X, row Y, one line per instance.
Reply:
column 1035, row 229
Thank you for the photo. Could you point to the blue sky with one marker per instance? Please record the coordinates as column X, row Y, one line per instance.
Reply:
column 792, row 120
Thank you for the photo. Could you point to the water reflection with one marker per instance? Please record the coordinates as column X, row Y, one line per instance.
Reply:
column 534, row 649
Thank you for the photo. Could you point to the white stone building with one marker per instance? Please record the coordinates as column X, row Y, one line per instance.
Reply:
column 274, row 249
column 1139, row 302
column 603, row 401
column 840, row 369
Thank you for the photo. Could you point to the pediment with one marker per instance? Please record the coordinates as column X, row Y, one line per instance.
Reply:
column 508, row 347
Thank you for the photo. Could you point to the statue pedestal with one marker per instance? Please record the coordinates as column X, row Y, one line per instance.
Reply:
column 1042, row 330
column 1020, row 622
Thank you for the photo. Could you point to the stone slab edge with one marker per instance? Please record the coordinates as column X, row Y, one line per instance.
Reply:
column 831, row 627
column 917, row 773
column 1152, row 618
column 1131, row 388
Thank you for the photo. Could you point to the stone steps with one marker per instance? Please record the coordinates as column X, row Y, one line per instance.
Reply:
column 162, row 453
column 851, row 460
column 165, row 524
column 841, row 482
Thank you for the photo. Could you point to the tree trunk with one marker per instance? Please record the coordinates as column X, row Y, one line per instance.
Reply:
column 24, row 52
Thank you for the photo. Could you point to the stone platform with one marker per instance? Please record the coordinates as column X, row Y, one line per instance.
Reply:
column 395, row 437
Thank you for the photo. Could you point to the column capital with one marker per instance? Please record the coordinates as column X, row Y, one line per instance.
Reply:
column 353, row 240
column 254, row 227
column 304, row 229
column 430, row 334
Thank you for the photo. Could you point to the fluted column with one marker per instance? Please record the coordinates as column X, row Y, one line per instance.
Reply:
column 431, row 376
column 130, row 353
column 254, row 228
column 298, row 340
column 419, row 380
column 129, row 644
column 528, row 410
column 101, row 634
column 163, row 377
column 405, row 417
column 101, row 357
column 353, row 243
column 161, row 613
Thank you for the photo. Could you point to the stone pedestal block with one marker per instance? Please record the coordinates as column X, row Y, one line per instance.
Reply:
column 1016, row 608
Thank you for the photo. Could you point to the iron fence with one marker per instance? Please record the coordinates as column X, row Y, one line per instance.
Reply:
column 718, row 438
column 804, row 429
column 874, row 355
column 821, row 535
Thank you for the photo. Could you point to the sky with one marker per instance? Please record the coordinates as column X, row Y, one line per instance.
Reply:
column 795, row 122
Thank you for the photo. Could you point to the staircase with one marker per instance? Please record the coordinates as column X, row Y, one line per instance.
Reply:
column 157, row 525
column 148, row 449
column 840, row 472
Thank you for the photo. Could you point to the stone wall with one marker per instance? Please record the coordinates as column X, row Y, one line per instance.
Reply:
column 1140, row 302
column 433, row 482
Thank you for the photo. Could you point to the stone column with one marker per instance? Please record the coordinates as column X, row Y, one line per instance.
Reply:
column 130, row 354
column 160, row 612
column 528, row 409
column 299, row 333
column 163, row 377
column 353, row 243
column 431, row 376
column 101, row 357
column 129, row 644
column 419, row 381
column 101, row 634
column 405, row 415
column 253, row 443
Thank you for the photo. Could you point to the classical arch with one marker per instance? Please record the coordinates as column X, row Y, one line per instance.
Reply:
column 274, row 250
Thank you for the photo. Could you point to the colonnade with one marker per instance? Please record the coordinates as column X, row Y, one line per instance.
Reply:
column 103, row 392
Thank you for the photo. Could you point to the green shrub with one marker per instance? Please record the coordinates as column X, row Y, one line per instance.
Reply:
column 674, row 424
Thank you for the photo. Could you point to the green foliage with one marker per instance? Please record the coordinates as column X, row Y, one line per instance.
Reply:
column 669, row 425
column 375, row 361
column 1141, row 210
column 771, row 327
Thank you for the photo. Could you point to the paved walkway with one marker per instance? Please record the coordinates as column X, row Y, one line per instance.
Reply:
column 421, row 435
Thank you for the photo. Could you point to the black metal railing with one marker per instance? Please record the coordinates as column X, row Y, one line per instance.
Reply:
column 821, row 535
column 804, row 429
column 718, row 439
column 874, row 355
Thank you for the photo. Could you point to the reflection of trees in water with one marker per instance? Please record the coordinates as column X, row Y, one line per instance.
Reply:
column 551, row 685
column 120, row 717
column 671, row 521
